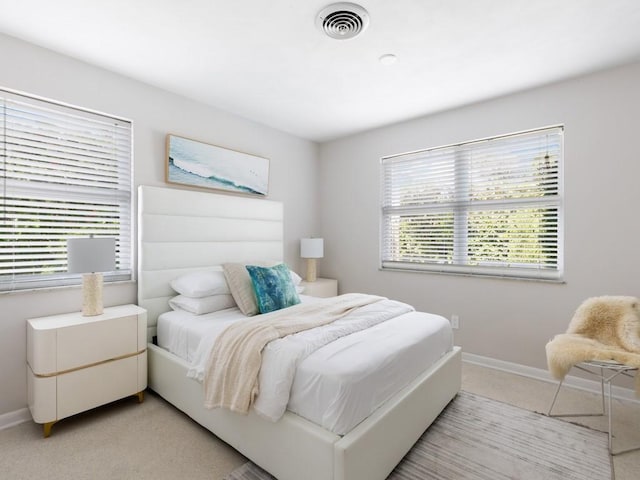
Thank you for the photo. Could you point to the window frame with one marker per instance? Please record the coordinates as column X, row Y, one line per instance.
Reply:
column 52, row 194
column 458, row 265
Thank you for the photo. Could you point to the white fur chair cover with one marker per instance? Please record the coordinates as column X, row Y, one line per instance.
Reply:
column 603, row 328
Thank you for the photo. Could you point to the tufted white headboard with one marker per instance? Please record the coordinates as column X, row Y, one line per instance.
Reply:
column 183, row 230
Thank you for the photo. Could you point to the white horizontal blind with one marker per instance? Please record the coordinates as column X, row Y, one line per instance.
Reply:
column 490, row 207
column 65, row 173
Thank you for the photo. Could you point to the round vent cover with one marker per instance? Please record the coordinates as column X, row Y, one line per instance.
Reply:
column 342, row 20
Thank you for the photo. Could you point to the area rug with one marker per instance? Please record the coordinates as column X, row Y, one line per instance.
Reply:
column 476, row 438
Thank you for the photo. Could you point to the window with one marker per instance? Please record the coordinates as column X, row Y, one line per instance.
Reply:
column 66, row 172
column 486, row 207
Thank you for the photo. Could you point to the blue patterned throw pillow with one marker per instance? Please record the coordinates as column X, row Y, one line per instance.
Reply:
column 273, row 287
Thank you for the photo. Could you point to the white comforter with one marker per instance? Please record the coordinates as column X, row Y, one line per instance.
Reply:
column 281, row 357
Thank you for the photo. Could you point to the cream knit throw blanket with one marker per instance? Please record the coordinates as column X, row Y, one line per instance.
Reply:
column 231, row 372
column 603, row 328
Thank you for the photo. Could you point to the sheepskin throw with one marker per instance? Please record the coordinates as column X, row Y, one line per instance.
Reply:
column 603, row 328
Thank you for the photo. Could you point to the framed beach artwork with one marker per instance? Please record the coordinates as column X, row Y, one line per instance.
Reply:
column 203, row 165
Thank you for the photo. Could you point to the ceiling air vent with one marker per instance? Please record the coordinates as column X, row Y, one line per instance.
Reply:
column 342, row 20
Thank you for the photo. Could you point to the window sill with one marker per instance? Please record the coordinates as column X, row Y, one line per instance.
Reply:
column 60, row 288
column 560, row 281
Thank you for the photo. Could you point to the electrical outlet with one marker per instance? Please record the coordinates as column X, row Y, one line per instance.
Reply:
column 455, row 321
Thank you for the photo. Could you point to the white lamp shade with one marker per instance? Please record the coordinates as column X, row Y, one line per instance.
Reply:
column 312, row 248
column 85, row 255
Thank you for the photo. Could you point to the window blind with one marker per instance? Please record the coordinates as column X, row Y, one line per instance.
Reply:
column 491, row 206
column 66, row 173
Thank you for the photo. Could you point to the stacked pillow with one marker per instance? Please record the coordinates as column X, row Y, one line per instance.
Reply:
column 254, row 288
column 201, row 292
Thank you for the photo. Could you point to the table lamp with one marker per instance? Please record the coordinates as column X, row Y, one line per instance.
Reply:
column 311, row 249
column 90, row 256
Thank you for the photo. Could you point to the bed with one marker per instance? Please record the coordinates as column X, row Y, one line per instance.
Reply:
column 182, row 231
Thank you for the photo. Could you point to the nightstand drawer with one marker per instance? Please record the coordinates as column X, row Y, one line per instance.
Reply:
column 90, row 387
column 93, row 342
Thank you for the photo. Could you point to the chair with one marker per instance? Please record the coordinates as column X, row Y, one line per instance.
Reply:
column 606, row 371
column 603, row 340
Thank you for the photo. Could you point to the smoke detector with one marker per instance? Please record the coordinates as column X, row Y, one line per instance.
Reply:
column 342, row 20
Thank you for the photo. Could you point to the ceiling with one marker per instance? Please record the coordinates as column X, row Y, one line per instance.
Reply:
column 267, row 61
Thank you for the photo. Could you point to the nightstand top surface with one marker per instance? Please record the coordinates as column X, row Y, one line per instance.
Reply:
column 321, row 280
column 76, row 318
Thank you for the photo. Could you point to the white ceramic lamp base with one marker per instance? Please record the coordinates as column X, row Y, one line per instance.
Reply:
column 92, row 294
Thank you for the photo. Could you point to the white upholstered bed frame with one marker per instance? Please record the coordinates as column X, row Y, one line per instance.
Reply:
column 183, row 230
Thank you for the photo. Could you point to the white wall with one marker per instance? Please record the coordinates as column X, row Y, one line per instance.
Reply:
column 293, row 173
column 509, row 320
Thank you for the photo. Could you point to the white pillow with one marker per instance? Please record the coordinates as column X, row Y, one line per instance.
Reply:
column 201, row 284
column 202, row 305
column 297, row 279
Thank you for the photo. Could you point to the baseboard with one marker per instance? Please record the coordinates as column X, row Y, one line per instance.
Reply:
column 14, row 418
column 578, row 383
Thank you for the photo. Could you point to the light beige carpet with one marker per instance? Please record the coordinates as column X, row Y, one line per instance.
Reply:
column 121, row 441
column 476, row 438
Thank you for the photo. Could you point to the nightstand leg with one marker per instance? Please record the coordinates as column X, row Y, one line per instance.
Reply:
column 140, row 396
column 46, row 429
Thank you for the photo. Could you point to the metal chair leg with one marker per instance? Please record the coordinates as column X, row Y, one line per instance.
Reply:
column 555, row 397
column 607, row 409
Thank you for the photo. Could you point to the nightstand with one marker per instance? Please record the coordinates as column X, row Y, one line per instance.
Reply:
column 322, row 287
column 76, row 363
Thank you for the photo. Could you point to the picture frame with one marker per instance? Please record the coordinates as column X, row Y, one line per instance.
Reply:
column 199, row 164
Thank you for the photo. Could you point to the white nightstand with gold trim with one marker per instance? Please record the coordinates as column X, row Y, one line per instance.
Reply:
column 322, row 287
column 76, row 363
